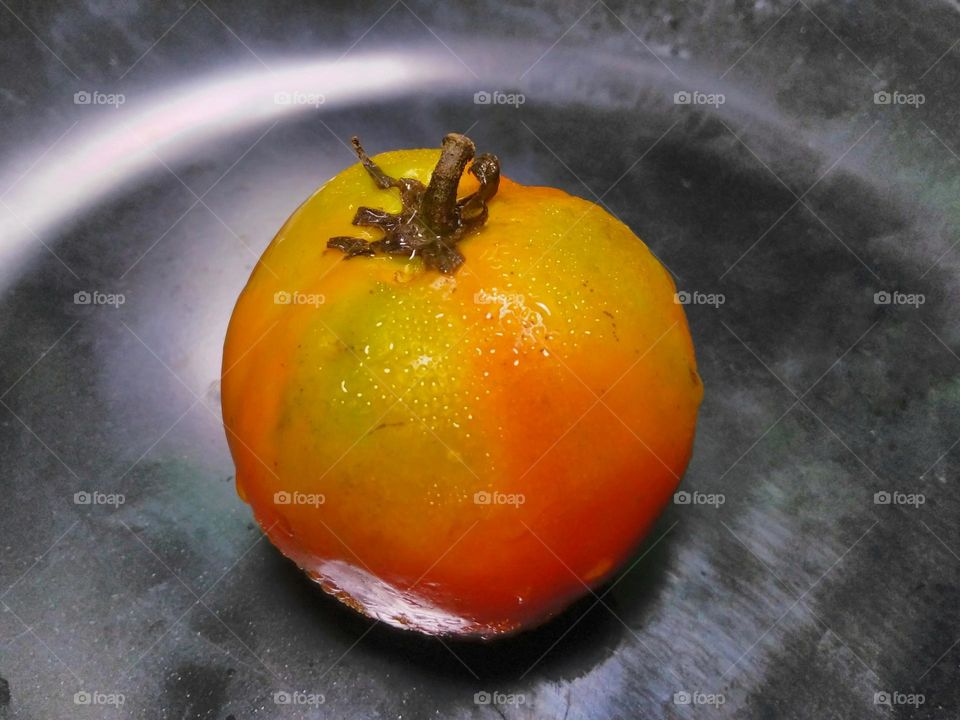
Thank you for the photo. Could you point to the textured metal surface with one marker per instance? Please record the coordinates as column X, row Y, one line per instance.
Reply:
column 796, row 200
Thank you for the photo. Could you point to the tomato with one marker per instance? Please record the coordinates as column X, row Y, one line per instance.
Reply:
column 458, row 416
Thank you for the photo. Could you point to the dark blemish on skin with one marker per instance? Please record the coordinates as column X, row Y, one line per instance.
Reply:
column 613, row 324
column 386, row 425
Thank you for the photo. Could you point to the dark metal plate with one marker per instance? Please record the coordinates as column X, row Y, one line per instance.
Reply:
column 797, row 200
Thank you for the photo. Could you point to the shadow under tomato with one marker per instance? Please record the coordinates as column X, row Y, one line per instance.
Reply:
column 565, row 647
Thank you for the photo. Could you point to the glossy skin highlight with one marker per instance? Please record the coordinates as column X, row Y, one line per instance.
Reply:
column 487, row 445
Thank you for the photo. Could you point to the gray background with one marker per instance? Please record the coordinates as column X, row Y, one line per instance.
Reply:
column 798, row 199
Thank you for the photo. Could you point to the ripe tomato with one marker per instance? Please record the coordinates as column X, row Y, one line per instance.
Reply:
column 463, row 429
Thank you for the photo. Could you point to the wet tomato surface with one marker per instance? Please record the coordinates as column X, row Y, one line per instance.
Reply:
column 457, row 437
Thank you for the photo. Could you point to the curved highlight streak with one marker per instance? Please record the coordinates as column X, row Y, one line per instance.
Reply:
column 122, row 146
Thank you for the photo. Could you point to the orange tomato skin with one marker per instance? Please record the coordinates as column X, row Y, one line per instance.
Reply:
column 459, row 455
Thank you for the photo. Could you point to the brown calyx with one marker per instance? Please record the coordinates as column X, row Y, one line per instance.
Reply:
column 433, row 220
